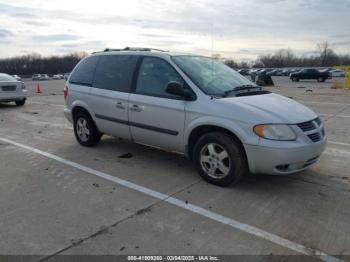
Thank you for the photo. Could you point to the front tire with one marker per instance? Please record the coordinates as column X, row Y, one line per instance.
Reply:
column 20, row 102
column 85, row 130
column 219, row 159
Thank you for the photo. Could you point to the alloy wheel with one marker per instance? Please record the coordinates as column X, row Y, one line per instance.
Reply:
column 215, row 160
column 83, row 130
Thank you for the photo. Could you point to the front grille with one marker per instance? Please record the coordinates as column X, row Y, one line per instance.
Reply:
column 307, row 126
column 313, row 129
column 315, row 137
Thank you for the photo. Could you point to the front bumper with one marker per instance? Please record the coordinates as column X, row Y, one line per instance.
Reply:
column 283, row 161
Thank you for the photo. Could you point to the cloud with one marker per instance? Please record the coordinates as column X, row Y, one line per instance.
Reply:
column 4, row 33
column 242, row 28
column 55, row 37
column 342, row 43
column 23, row 15
column 36, row 23
column 86, row 44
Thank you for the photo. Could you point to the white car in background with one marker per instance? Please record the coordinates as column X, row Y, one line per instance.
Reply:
column 36, row 77
column 18, row 78
column 57, row 77
column 44, row 77
column 337, row 73
column 66, row 76
column 12, row 90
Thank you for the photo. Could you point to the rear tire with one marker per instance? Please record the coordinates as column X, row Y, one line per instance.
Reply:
column 295, row 79
column 85, row 130
column 20, row 102
column 219, row 159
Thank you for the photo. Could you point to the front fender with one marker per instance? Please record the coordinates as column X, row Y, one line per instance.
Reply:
column 242, row 130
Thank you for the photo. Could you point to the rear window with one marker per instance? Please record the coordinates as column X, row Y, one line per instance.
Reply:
column 115, row 72
column 6, row 78
column 83, row 74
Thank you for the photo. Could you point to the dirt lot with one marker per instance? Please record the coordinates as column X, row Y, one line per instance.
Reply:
column 57, row 197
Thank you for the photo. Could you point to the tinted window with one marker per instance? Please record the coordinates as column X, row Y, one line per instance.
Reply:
column 114, row 72
column 84, row 72
column 154, row 76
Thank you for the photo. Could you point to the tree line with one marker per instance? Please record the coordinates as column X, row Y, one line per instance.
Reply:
column 325, row 56
column 36, row 64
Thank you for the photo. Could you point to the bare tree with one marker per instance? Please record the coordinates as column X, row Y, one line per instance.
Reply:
column 231, row 63
column 216, row 56
column 327, row 54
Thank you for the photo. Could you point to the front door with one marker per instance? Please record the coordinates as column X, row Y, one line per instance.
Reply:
column 157, row 118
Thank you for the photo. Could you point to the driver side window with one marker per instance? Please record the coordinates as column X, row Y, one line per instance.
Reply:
column 154, row 75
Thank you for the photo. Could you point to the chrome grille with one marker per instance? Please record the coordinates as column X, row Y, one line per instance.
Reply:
column 315, row 137
column 313, row 129
column 307, row 126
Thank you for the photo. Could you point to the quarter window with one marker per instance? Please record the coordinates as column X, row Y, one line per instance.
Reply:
column 154, row 75
column 83, row 74
column 114, row 72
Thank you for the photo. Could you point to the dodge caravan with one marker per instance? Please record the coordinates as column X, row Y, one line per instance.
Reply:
column 192, row 105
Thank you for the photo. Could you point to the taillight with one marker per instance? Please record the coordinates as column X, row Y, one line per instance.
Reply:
column 23, row 86
column 65, row 92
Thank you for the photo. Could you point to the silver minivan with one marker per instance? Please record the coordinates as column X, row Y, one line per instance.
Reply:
column 192, row 105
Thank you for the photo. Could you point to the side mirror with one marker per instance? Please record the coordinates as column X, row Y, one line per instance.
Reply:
column 176, row 88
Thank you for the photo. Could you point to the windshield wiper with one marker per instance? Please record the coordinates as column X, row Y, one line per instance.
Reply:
column 241, row 88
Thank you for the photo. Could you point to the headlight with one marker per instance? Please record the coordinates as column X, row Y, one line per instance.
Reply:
column 275, row 132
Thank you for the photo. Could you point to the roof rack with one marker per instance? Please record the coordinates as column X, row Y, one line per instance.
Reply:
column 145, row 49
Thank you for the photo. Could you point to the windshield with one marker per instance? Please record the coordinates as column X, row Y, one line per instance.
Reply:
column 211, row 76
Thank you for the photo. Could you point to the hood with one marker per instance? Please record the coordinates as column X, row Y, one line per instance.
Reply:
column 273, row 108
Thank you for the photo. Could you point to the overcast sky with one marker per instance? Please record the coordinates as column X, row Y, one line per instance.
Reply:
column 241, row 29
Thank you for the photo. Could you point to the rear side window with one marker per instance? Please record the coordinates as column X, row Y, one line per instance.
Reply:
column 83, row 74
column 115, row 72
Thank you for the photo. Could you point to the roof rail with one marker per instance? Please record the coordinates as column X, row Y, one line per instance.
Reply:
column 134, row 49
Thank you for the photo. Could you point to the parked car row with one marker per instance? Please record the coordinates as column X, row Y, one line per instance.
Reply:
column 39, row 77
column 268, row 71
column 296, row 74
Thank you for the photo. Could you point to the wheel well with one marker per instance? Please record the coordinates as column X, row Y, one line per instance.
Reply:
column 201, row 130
column 79, row 109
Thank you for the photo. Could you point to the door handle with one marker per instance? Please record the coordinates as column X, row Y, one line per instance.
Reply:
column 120, row 105
column 135, row 108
